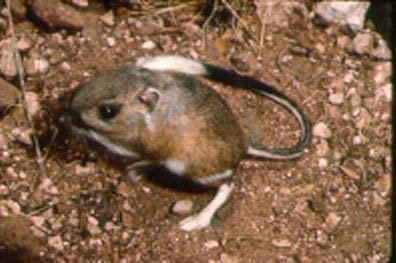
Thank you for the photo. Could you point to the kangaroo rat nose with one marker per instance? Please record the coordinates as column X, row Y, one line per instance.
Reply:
column 157, row 111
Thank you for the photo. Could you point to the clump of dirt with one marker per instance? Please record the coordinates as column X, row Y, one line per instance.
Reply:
column 18, row 243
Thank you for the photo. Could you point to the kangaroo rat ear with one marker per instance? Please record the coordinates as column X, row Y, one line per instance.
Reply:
column 149, row 97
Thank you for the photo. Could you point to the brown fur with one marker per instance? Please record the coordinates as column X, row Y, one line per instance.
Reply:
column 190, row 121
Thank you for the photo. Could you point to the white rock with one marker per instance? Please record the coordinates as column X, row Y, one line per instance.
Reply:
column 3, row 190
column 382, row 51
column 383, row 72
column 108, row 18
column 149, row 45
column 56, row 243
column 322, row 148
column 323, row 163
column 349, row 77
column 92, row 226
column 110, row 41
column 7, row 62
column 32, row 103
column 23, row 44
column 357, row 140
column 363, row 43
column 321, row 130
column 38, row 221
column 332, row 220
column 385, row 91
column 21, row 135
column 210, row 244
column 182, row 207
column 80, row 3
column 3, row 141
column 36, row 65
column 336, row 98
column 9, row 207
column 351, row 14
column 281, row 243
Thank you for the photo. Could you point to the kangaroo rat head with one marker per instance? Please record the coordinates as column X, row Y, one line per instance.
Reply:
column 117, row 104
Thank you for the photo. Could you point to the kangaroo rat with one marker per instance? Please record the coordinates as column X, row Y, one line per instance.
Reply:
column 156, row 111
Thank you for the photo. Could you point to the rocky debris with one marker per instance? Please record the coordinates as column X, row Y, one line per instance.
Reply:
column 321, row 130
column 332, row 220
column 80, row 3
column 382, row 73
column 226, row 258
column 108, row 18
column 349, row 172
column 36, row 65
column 57, row 15
column 9, row 94
column 32, row 103
column 281, row 243
column 383, row 184
column 9, row 208
column 148, row 45
column 56, row 243
column 210, row 244
column 362, row 43
column 336, row 98
column 3, row 189
column 23, row 44
column 370, row 44
column 183, row 207
column 7, row 62
column 110, row 41
column 322, row 148
column 382, row 50
column 93, row 226
column 350, row 14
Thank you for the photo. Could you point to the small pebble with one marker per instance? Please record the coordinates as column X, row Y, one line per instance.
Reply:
column 182, row 207
column 323, row 163
column 281, row 243
column 80, row 3
column 321, row 130
column 336, row 98
column 332, row 220
column 92, row 226
column 110, row 41
column 3, row 190
column 349, row 172
column 108, row 18
column 36, row 65
column 32, row 103
column 322, row 148
column 210, row 244
column 56, row 242
column 7, row 63
column 148, row 45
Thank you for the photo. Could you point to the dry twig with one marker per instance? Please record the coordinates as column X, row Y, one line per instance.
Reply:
column 21, row 76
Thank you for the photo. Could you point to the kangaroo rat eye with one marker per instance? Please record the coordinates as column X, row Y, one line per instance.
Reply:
column 108, row 111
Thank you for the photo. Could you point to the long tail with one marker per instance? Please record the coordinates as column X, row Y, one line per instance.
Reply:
column 191, row 67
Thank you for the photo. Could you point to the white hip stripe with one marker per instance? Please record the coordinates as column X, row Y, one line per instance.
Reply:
column 215, row 177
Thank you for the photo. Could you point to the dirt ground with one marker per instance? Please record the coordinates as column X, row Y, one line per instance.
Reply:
column 330, row 205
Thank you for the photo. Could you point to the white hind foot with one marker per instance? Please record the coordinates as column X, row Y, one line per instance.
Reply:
column 204, row 217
